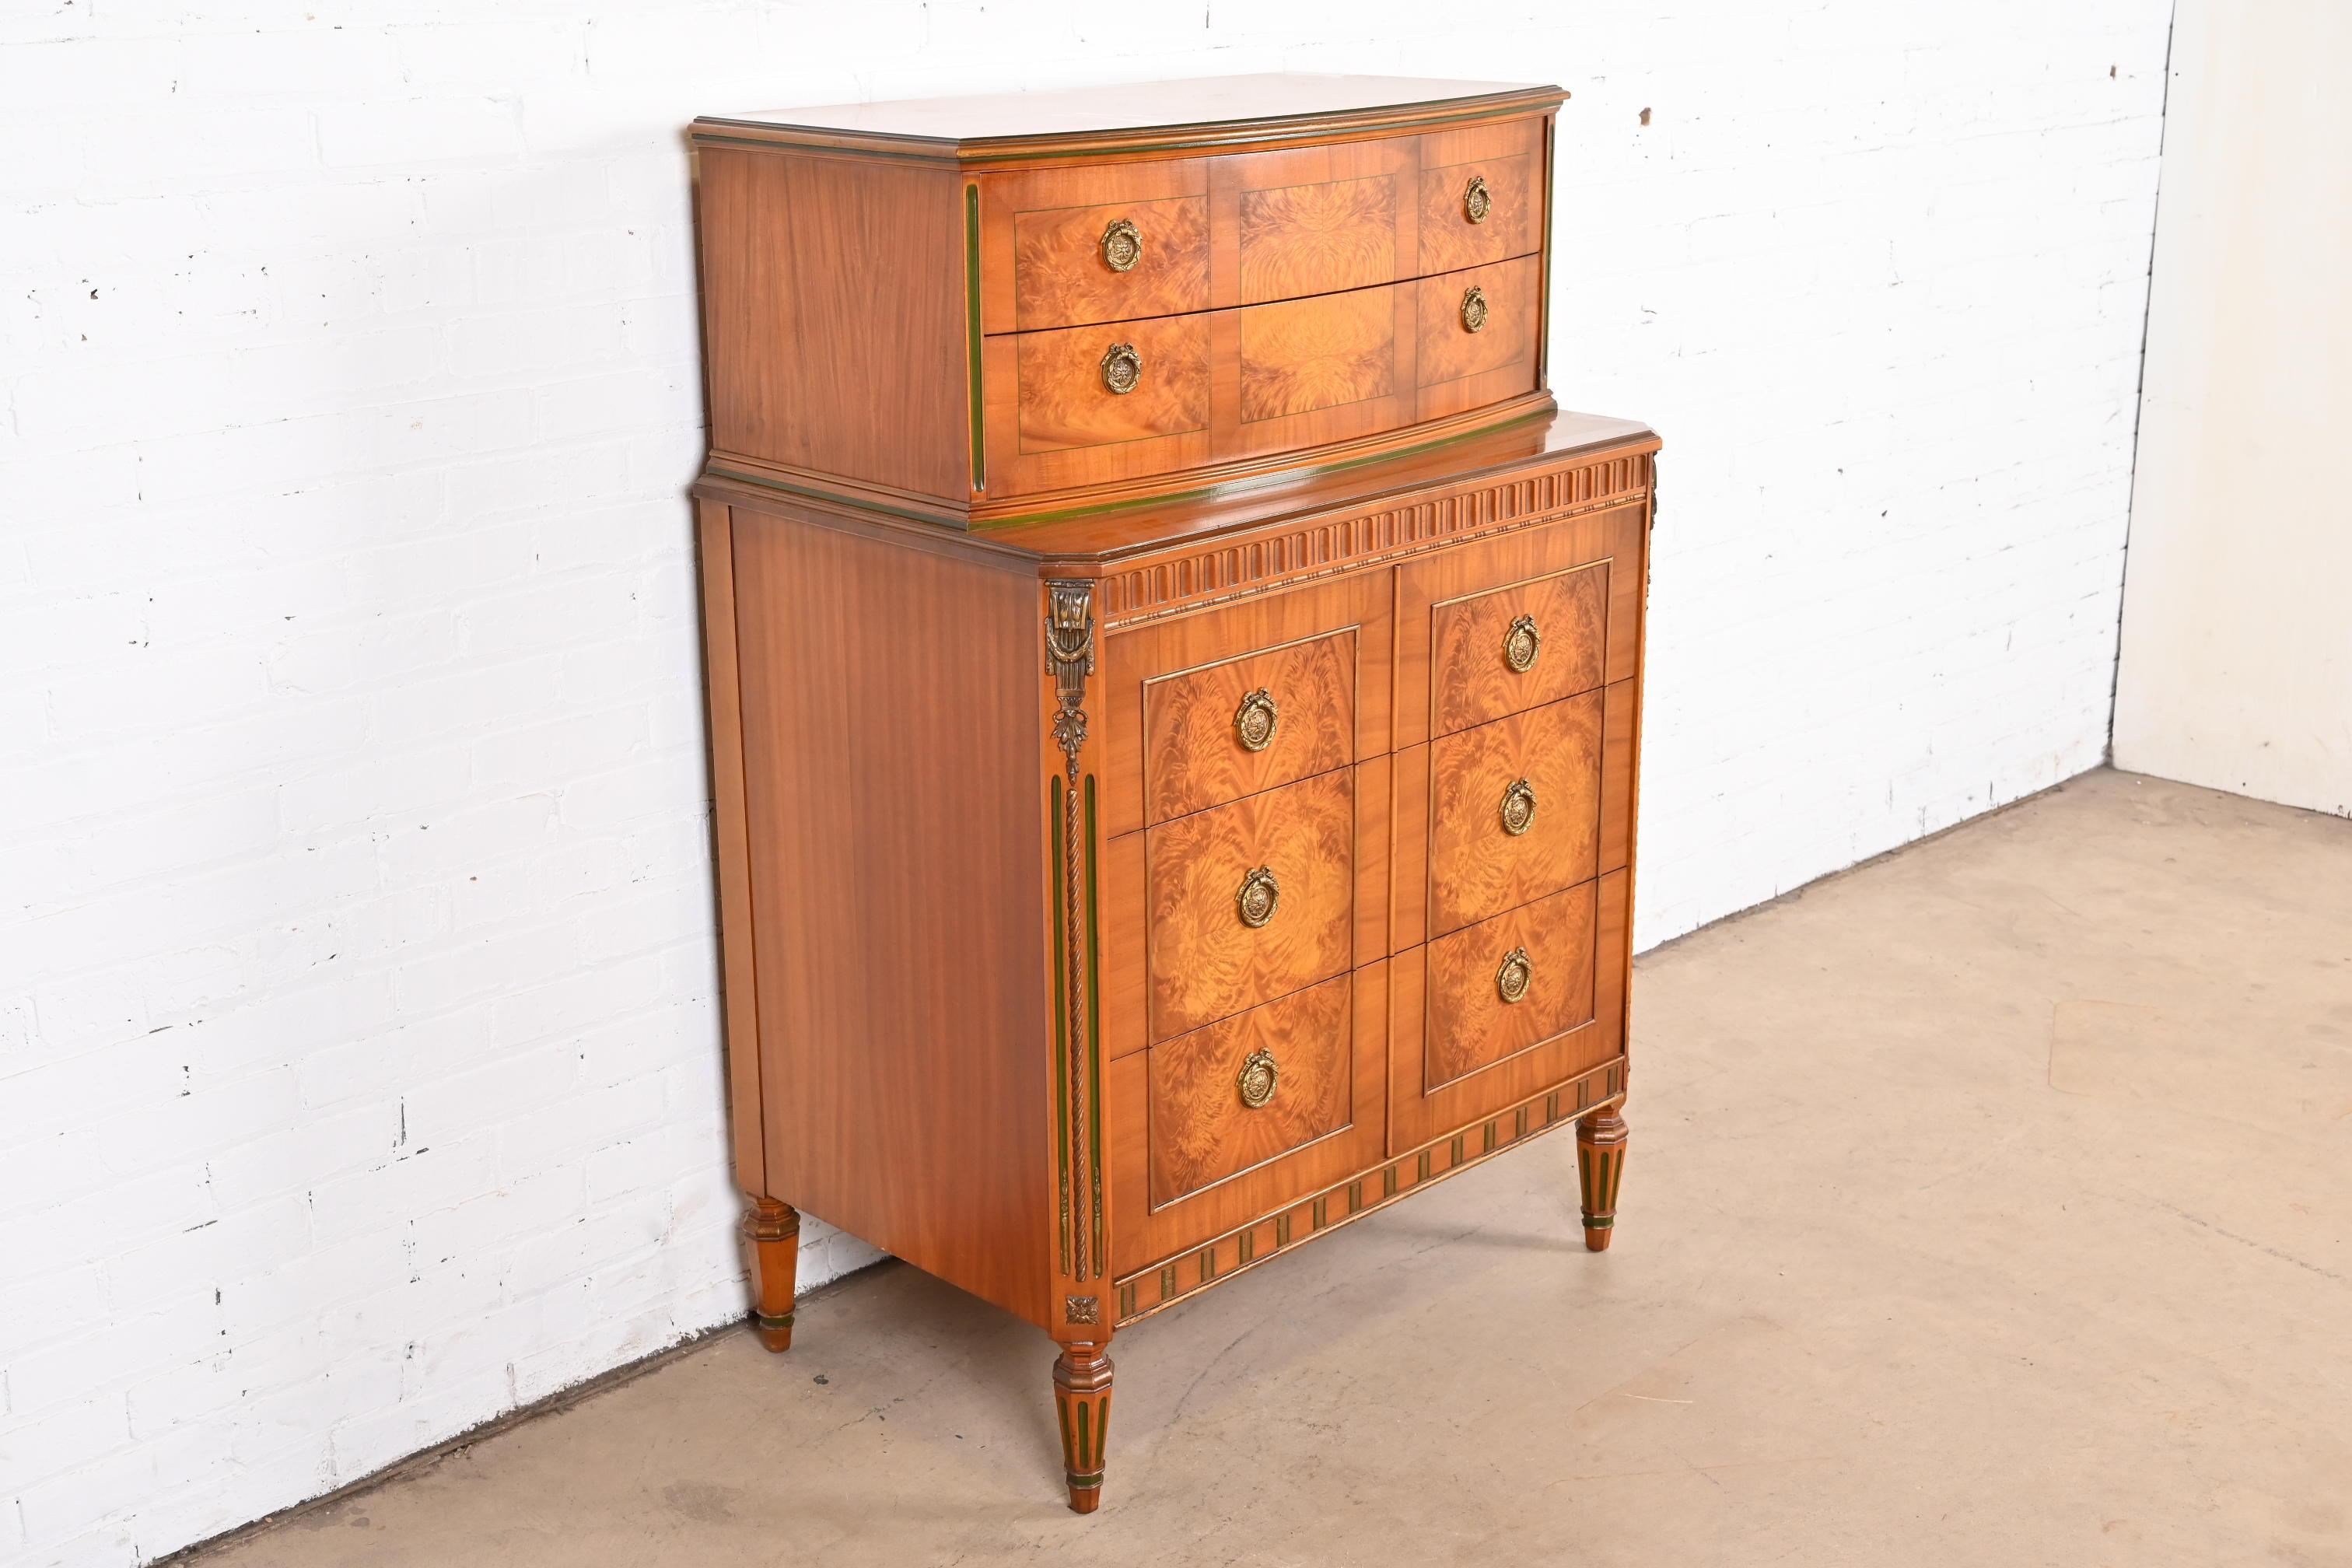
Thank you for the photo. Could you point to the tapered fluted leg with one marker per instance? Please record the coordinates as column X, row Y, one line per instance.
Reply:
column 774, row 1229
column 1082, row 1399
column 1600, row 1163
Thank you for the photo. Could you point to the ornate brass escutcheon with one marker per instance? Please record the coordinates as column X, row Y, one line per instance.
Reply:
column 1122, row 367
column 1122, row 246
column 1512, row 979
column 1519, row 808
column 1522, row 644
column 1259, row 1074
column 1474, row 309
column 1254, row 722
column 1259, row 896
column 1475, row 203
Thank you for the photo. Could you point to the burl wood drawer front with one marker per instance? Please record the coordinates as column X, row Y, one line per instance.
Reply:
column 1064, row 385
column 1515, row 622
column 1168, row 1128
column 1108, row 242
column 1504, row 984
column 1515, row 811
column 1173, row 692
column 1478, row 332
column 1462, row 1051
column 1219, row 732
column 1238, row 1093
column 1504, row 163
column 1249, row 901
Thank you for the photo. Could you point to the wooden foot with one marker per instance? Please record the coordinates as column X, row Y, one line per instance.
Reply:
column 774, row 1229
column 1082, row 1399
column 1600, row 1163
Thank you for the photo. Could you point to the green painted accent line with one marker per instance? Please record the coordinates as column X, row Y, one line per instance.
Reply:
column 971, row 329
column 1583, row 1092
column 774, row 1321
column 765, row 483
column 1168, row 1282
column 1490, row 1140
column 706, row 138
column 1057, row 809
column 1085, row 1483
column 1322, row 1211
column 1520, row 1123
column 1255, row 481
column 1457, row 1148
column 1094, row 1045
column 1388, row 1181
column 1603, row 1223
column 1422, row 1174
column 1355, row 1196
column 1247, row 1245
column 1551, row 1107
column 1086, row 1455
column 1281, row 1231
column 1208, row 1264
column 1127, row 1300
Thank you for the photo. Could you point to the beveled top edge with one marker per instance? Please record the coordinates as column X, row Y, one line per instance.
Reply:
column 1202, row 111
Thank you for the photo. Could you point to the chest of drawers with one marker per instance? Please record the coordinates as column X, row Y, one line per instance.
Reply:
column 1174, row 682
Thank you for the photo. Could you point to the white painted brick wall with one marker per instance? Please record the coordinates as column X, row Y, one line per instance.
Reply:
column 358, row 1056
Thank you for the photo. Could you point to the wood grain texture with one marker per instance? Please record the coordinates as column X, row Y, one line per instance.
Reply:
column 1060, row 278
column 839, row 345
column 1471, row 1025
column 1204, row 962
column 1305, row 354
column 1064, row 400
column 1194, row 755
column 1476, row 867
column 1506, row 345
column 1356, row 607
column 730, row 836
column 1420, row 1107
column 1509, row 157
column 1317, row 238
column 1204, row 1132
column 773, row 1231
column 903, row 1082
column 1146, row 1230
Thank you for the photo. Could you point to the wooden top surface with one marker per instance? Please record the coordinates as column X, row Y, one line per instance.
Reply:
column 1109, row 534
column 1184, row 112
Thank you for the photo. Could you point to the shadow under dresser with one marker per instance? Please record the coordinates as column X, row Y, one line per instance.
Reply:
column 1174, row 680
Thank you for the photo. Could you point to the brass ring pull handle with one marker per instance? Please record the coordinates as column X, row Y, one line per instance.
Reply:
column 1519, row 808
column 1476, row 203
column 1511, row 981
column 1259, row 1075
column 1474, row 309
column 1122, row 367
column 1522, row 644
column 1254, row 722
column 1260, row 895
column 1122, row 246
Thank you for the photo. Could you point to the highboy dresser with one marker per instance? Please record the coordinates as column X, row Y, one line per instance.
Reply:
column 1175, row 682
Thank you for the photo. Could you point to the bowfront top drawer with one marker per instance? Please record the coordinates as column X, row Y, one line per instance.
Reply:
column 1518, row 647
column 1514, row 810
column 1220, row 731
column 1249, row 901
column 1482, row 195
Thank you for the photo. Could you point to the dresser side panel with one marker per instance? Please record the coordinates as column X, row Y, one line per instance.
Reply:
column 890, row 734
column 833, row 316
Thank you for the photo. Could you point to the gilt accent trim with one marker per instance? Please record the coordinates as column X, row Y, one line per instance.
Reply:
column 1070, row 659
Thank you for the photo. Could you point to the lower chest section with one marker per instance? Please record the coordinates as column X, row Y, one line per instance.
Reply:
column 1365, row 887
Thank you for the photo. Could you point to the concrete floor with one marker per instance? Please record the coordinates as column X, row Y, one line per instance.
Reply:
column 1991, row 1203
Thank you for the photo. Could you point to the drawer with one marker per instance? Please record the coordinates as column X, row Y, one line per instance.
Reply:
column 1062, row 247
column 1219, row 732
column 1481, row 194
column 1516, row 648
column 1462, row 1051
column 1125, row 400
column 1189, row 1160
column 1515, row 811
column 1249, row 901
column 1507, row 984
column 1230, row 1097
